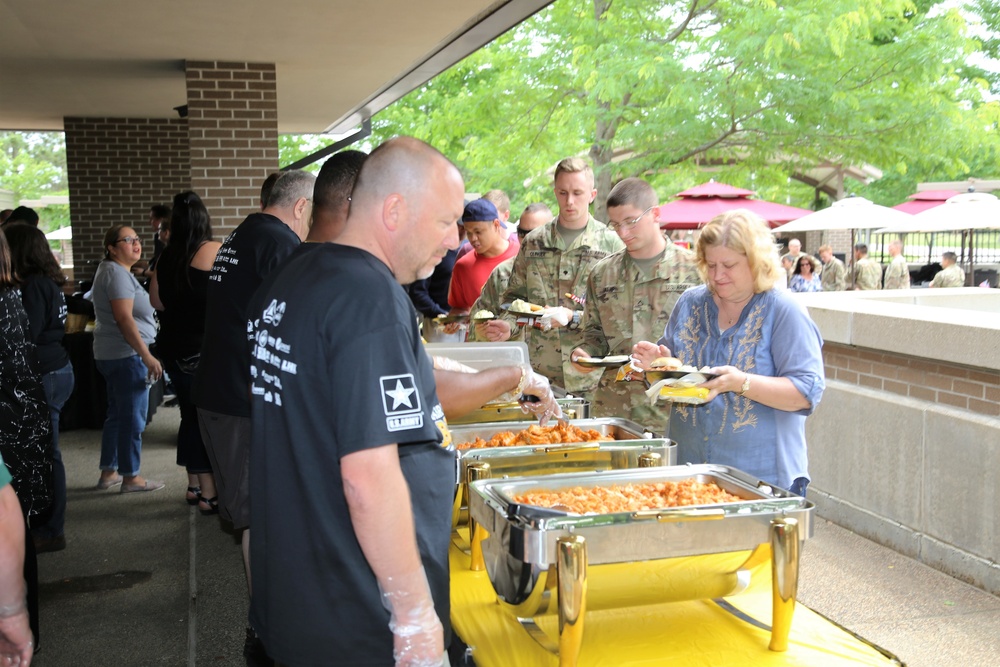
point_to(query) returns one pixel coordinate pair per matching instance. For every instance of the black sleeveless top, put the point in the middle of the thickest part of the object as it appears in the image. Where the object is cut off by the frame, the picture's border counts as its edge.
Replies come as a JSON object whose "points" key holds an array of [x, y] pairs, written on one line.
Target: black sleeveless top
{"points": [[182, 291]]}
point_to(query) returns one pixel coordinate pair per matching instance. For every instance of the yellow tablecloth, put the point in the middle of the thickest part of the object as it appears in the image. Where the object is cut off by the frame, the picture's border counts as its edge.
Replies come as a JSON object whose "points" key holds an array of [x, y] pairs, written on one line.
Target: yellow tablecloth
{"points": [[679, 633]]}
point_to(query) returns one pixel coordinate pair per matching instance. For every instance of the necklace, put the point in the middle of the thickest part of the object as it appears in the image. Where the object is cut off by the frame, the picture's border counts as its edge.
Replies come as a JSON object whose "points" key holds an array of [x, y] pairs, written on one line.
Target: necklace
{"points": [[731, 319]]}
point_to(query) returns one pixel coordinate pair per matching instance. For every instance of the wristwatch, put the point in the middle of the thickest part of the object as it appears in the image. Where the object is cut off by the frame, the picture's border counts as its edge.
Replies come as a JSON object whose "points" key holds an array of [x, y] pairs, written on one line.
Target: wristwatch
{"points": [[746, 385], [575, 322]]}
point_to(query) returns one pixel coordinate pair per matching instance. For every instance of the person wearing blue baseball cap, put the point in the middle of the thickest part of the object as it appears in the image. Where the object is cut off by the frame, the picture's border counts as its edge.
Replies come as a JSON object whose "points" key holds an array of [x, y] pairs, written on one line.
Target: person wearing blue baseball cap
{"points": [[485, 233]]}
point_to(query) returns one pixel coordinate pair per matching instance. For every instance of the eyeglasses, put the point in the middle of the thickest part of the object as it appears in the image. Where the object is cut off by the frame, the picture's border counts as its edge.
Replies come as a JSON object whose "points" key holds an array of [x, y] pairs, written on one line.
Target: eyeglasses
{"points": [[129, 239], [628, 224]]}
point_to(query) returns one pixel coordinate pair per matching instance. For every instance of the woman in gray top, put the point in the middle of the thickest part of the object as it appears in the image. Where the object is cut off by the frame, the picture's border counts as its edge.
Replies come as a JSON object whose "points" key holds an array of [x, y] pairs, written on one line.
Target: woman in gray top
{"points": [[125, 328]]}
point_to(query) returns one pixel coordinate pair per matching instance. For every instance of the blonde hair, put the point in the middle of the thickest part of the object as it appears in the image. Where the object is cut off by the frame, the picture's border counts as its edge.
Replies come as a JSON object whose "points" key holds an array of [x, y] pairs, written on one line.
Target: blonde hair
{"points": [[572, 165], [744, 232]]}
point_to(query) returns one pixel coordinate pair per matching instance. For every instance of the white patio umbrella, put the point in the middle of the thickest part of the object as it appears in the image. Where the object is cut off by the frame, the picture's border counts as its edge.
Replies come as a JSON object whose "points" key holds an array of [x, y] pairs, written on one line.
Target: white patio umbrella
{"points": [[966, 212], [851, 213], [61, 234], [971, 210]]}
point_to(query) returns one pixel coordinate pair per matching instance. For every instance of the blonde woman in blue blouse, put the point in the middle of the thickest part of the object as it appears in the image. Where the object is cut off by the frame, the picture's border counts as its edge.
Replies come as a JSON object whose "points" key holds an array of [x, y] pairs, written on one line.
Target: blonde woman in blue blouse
{"points": [[764, 348]]}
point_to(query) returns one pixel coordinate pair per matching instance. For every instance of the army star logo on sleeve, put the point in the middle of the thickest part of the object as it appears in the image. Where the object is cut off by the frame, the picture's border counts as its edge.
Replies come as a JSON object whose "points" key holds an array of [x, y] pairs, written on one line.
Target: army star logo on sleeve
{"points": [[401, 402]]}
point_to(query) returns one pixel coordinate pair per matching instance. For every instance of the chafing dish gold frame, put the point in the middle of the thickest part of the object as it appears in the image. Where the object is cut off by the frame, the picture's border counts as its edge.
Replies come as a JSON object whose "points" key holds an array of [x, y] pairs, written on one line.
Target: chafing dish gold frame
{"points": [[567, 577], [627, 446]]}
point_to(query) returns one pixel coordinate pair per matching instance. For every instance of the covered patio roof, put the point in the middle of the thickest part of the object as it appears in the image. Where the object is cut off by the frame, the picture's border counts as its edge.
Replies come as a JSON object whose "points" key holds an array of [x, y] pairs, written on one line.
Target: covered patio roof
{"points": [[337, 63]]}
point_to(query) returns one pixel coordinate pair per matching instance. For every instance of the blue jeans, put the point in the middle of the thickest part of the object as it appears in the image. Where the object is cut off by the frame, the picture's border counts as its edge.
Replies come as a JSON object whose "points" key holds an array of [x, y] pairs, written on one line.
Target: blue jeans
{"points": [[58, 386], [128, 401], [799, 486]]}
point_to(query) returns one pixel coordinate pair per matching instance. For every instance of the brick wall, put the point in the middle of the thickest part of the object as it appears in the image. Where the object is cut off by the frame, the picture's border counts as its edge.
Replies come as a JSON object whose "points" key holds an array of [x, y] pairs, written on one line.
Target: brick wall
{"points": [[964, 387], [117, 168], [838, 239], [233, 126]]}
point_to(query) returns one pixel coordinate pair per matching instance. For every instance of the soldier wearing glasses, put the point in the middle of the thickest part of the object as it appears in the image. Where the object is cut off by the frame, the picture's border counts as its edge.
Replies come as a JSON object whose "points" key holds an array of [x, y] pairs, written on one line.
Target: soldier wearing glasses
{"points": [[551, 269], [629, 298]]}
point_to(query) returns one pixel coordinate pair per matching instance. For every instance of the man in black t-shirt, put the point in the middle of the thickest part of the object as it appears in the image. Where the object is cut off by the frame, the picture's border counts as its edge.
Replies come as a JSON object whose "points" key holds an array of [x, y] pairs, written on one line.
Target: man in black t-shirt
{"points": [[352, 488], [221, 384]]}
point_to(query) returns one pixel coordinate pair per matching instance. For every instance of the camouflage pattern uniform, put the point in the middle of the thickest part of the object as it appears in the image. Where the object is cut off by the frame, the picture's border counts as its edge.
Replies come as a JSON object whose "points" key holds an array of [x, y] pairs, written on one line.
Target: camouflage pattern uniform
{"points": [[544, 271], [897, 274], [490, 299], [867, 274], [834, 276], [953, 276], [623, 307]]}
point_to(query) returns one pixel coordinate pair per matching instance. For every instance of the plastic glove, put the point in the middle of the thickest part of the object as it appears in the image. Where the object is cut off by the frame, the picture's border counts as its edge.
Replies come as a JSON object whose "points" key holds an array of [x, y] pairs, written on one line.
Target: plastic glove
{"points": [[554, 317], [537, 387], [418, 638]]}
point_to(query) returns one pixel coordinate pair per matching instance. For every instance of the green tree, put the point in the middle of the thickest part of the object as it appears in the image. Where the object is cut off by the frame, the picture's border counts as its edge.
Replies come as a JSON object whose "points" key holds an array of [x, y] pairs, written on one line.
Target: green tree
{"points": [[294, 147], [664, 89], [33, 164]]}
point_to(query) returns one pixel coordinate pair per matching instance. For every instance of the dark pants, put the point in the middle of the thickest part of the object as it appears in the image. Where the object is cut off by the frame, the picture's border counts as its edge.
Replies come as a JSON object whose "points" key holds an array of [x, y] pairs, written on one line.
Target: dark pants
{"points": [[58, 386], [190, 447]]}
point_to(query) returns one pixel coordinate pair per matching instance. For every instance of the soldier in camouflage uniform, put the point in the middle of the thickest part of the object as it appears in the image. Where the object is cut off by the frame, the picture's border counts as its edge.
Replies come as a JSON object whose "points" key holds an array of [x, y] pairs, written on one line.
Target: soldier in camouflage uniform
{"points": [[897, 274], [490, 299], [834, 275], [630, 296], [952, 275], [554, 261], [867, 272]]}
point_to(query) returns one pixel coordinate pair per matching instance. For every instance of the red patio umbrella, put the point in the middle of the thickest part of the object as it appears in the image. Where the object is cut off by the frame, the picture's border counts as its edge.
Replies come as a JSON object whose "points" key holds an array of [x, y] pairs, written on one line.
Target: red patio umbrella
{"points": [[921, 201], [701, 203]]}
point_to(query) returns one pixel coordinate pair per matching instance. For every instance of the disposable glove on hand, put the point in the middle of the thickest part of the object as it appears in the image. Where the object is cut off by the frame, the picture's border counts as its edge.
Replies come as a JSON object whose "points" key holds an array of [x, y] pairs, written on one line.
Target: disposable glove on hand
{"points": [[545, 407], [554, 317], [418, 638]]}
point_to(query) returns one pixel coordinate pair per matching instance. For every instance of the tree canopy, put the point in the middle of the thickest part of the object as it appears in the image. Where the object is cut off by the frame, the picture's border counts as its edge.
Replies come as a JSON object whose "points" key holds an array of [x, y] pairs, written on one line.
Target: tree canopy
{"points": [[755, 88], [33, 164]]}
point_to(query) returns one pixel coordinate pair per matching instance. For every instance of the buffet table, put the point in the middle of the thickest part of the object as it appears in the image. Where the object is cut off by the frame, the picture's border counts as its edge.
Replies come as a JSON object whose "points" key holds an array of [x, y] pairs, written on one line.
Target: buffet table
{"points": [[699, 632]]}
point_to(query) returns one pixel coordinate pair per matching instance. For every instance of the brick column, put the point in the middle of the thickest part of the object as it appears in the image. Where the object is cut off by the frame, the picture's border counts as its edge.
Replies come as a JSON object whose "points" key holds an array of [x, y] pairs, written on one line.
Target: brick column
{"points": [[117, 168], [233, 126]]}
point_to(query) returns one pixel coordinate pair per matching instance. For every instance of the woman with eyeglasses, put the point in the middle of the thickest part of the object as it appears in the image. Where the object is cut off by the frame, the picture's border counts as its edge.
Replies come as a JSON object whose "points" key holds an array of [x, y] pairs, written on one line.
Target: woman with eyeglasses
{"points": [[804, 277], [125, 328]]}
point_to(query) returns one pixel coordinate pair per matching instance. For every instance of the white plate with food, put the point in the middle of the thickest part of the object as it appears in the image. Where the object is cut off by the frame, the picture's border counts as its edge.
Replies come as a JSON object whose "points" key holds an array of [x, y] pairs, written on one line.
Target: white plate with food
{"points": [[523, 308], [483, 316], [671, 368], [611, 361]]}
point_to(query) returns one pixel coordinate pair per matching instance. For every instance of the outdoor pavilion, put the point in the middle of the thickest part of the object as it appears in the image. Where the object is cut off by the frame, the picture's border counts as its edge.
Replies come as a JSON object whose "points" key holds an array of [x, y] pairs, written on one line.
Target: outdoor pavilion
{"points": [[155, 99]]}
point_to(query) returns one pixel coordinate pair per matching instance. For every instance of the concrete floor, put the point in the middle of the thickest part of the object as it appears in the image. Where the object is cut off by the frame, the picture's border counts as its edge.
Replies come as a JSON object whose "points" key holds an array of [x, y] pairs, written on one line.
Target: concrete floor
{"points": [[147, 580]]}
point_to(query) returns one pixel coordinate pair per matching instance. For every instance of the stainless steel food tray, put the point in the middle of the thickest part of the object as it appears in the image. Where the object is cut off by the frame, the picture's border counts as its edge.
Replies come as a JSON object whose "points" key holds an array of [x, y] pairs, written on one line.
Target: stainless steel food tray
{"points": [[625, 537], [543, 561], [626, 442], [573, 408]]}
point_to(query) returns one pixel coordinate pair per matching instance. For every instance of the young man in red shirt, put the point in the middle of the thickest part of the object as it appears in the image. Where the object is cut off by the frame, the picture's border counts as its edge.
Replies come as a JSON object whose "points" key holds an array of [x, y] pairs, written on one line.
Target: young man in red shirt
{"points": [[485, 233]]}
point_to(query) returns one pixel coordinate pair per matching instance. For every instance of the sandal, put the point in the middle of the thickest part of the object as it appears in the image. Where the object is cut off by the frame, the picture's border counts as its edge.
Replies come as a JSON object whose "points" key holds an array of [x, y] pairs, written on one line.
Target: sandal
{"points": [[193, 495], [213, 505]]}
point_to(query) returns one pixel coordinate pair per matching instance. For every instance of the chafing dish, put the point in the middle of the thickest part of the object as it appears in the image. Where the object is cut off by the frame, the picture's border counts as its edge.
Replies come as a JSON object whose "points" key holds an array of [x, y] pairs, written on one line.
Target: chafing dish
{"points": [[544, 561], [627, 445], [573, 408]]}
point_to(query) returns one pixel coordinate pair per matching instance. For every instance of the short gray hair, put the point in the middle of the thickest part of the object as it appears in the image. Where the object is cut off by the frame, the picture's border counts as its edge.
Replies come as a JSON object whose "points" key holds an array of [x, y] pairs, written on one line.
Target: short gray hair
{"points": [[292, 186]]}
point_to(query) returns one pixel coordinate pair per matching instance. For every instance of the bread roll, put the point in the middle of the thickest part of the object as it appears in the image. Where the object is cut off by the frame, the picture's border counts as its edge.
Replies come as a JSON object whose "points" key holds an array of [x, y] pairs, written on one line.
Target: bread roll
{"points": [[666, 364]]}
